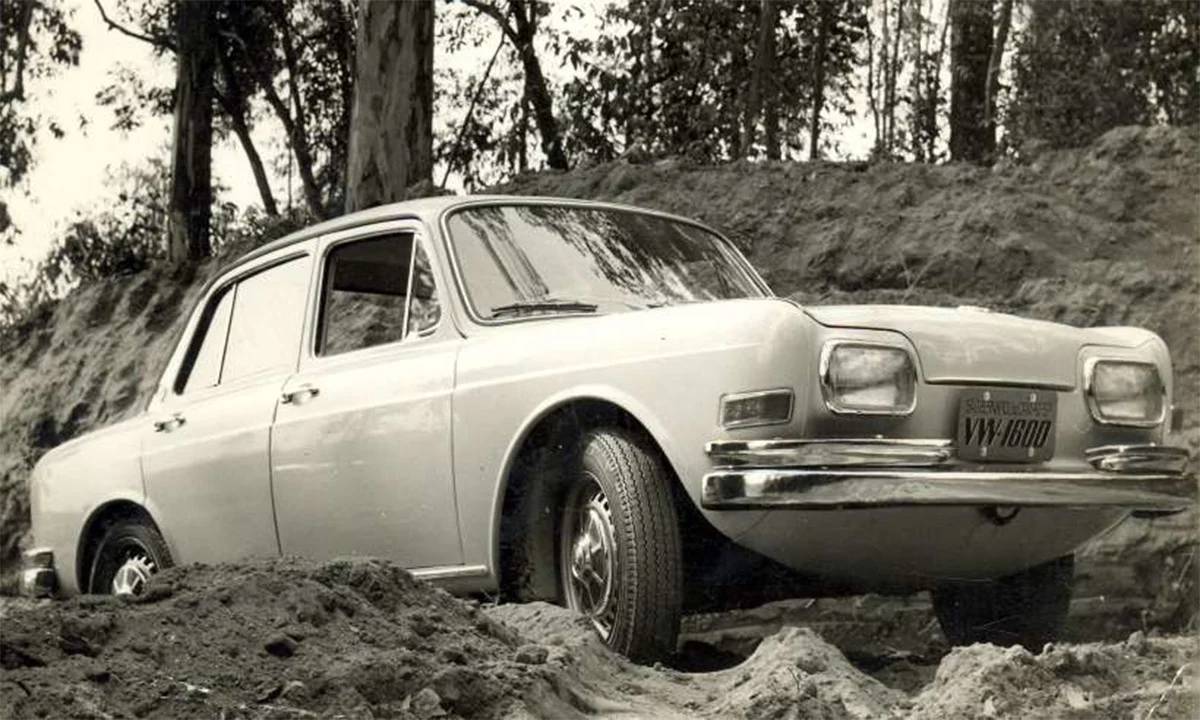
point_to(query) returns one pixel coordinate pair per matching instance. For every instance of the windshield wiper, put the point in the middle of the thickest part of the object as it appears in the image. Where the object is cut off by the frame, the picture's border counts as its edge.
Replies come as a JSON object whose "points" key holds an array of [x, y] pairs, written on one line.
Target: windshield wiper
{"points": [[542, 306]]}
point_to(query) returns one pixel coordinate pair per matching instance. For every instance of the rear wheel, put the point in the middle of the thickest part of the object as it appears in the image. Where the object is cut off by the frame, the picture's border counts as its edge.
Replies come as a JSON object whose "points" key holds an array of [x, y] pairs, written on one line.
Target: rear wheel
{"points": [[129, 552], [619, 548], [1028, 608]]}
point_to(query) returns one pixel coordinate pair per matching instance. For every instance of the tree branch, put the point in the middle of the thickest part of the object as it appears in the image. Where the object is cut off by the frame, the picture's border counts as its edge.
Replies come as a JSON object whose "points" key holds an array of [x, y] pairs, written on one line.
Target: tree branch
{"points": [[462, 130], [157, 41], [494, 13]]}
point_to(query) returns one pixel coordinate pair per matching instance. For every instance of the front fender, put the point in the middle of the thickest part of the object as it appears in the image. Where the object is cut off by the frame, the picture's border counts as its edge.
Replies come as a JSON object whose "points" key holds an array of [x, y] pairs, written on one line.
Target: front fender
{"points": [[667, 368]]}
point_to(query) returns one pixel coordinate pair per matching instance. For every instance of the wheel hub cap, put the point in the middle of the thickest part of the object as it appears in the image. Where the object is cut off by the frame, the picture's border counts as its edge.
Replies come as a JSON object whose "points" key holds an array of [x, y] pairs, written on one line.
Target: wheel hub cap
{"points": [[132, 576], [591, 561]]}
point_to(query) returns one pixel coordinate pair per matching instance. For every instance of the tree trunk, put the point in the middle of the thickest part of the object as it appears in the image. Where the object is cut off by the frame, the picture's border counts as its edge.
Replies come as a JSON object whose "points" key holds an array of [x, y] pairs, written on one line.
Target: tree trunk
{"points": [[935, 91], [298, 142], [543, 108], [993, 73], [238, 120], [391, 137], [233, 102], [764, 63], [536, 89], [189, 215], [814, 133], [872, 99], [894, 71], [970, 52]]}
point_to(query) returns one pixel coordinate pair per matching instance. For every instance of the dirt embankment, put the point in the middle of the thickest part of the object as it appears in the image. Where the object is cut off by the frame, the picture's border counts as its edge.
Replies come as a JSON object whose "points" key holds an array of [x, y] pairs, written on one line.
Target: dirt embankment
{"points": [[363, 639], [1103, 235]]}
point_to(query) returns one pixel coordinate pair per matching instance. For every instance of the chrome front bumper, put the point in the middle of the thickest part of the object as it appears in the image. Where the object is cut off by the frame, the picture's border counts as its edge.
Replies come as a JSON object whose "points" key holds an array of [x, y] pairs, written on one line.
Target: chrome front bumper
{"points": [[37, 573], [866, 473]]}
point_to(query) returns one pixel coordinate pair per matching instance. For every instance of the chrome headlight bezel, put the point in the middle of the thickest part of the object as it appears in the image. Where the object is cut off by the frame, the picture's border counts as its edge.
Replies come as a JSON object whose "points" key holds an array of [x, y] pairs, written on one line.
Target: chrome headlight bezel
{"points": [[1094, 403], [829, 393]]}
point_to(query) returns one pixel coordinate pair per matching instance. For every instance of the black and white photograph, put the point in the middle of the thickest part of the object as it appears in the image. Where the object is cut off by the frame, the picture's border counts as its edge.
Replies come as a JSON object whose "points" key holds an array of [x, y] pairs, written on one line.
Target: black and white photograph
{"points": [[628, 359]]}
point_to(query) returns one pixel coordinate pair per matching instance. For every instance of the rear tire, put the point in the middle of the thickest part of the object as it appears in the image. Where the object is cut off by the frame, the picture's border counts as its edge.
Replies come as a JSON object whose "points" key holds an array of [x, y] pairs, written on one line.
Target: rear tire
{"points": [[619, 547], [129, 552], [1028, 608]]}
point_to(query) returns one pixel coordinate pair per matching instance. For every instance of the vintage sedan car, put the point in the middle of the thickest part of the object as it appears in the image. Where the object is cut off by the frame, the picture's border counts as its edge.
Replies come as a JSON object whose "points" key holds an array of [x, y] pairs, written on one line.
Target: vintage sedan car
{"points": [[607, 407]]}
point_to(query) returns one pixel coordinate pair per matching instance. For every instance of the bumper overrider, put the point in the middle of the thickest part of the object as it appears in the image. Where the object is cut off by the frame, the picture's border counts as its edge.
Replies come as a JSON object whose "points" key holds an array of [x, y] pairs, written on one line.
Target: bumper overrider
{"points": [[877, 472], [37, 574]]}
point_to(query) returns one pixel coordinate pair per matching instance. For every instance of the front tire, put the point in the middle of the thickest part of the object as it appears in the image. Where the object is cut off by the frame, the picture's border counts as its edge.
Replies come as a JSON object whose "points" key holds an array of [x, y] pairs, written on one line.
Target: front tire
{"points": [[619, 548], [129, 552], [1028, 608]]}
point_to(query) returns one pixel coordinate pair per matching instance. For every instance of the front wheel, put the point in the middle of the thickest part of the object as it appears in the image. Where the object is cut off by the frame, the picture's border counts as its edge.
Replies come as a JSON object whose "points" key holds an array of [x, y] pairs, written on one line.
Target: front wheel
{"points": [[129, 552], [619, 546], [1028, 608]]}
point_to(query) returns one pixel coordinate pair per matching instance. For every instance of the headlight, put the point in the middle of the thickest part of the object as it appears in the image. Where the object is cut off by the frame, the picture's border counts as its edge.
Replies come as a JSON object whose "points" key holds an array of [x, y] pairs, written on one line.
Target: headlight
{"points": [[867, 379], [1124, 393], [764, 407]]}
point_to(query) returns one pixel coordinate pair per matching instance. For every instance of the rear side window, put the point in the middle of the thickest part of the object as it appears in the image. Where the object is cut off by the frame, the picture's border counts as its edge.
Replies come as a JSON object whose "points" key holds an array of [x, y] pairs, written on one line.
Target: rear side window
{"points": [[251, 326], [375, 292], [206, 366], [268, 315]]}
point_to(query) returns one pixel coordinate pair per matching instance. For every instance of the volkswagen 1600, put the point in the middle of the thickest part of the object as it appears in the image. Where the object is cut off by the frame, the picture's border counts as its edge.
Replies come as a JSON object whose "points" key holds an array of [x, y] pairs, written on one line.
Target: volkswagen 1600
{"points": [[607, 407]]}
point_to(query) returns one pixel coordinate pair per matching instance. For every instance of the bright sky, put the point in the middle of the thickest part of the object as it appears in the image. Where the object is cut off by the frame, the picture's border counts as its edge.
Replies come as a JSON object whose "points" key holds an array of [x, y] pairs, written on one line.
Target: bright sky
{"points": [[73, 175]]}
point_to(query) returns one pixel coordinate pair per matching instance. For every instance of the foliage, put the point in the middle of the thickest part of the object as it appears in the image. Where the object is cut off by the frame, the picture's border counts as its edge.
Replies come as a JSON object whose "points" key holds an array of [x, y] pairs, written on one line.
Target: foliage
{"points": [[663, 76], [36, 41], [119, 240], [1082, 67], [126, 238], [287, 58], [496, 141], [670, 76]]}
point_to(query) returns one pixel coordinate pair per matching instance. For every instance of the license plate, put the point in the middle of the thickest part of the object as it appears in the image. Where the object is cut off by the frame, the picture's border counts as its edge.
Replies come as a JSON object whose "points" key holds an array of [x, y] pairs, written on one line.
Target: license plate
{"points": [[1006, 425]]}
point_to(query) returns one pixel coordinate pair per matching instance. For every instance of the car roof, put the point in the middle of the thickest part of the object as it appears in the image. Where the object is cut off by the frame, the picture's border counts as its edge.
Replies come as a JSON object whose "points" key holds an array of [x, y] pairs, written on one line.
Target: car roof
{"points": [[428, 208]]}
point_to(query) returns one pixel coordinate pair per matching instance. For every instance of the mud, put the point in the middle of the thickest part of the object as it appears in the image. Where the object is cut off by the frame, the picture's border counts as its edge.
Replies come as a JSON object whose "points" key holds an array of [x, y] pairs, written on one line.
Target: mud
{"points": [[363, 639]]}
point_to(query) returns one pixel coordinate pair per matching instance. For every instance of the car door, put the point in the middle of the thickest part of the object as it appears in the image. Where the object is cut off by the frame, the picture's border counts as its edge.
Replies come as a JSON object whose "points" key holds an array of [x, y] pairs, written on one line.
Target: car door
{"points": [[361, 447], [205, 456]]}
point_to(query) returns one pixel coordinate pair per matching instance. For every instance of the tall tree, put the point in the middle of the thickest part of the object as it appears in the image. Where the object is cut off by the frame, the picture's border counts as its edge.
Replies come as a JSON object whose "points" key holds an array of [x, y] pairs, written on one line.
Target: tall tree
{"points": [[928, 51], [191, 157], [993, 71], [971, 138], [297, 56], [825, 11], [391, 131], [1082, 67], [764, 66], [519, 20]]}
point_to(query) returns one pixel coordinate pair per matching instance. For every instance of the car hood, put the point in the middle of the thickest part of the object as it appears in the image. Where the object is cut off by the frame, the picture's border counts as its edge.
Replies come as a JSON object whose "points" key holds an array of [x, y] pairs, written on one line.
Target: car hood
{"points": [[973, 345]]}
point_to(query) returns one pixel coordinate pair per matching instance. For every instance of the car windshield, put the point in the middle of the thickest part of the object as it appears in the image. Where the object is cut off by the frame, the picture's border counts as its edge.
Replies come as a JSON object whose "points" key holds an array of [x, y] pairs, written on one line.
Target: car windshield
{"points": [[542, 259]]}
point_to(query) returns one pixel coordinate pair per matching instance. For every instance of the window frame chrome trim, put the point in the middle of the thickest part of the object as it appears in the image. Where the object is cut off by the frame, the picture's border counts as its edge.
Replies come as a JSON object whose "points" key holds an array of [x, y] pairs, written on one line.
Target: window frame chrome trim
{"points": [[791, 393], [827, 394], [1089, 370]]}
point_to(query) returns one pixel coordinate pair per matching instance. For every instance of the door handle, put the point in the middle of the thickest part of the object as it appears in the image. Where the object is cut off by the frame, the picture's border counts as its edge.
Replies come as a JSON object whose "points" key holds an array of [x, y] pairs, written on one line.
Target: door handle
{"points": [[170, 424], [300, 395]]}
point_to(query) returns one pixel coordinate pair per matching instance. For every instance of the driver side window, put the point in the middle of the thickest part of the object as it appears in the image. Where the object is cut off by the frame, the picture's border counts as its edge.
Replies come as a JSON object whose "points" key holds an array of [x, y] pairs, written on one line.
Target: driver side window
{"points": [[375, 291]]}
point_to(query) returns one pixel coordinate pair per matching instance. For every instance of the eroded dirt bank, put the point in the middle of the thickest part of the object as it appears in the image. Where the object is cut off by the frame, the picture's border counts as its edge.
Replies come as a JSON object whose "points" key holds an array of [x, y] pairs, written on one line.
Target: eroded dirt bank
{"points": [[363, 639], [1102, 235]]}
